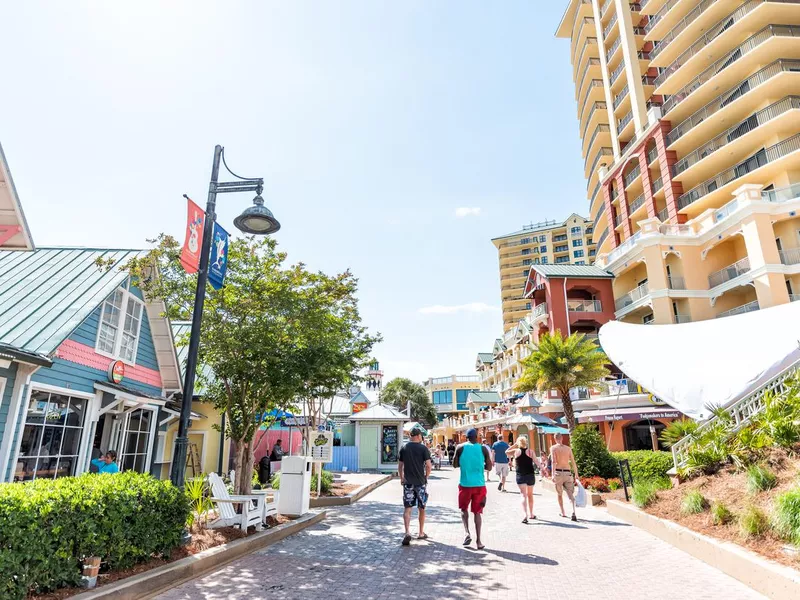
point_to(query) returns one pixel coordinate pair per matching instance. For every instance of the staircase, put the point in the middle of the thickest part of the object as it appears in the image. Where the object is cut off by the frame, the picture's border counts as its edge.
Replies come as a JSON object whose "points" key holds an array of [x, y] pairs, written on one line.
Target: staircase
{"points": [[741, 412]]}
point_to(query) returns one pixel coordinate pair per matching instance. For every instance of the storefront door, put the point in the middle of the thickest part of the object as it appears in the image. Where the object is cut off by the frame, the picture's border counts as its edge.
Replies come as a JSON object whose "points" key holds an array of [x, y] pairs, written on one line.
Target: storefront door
{"points": [[368, 447]]}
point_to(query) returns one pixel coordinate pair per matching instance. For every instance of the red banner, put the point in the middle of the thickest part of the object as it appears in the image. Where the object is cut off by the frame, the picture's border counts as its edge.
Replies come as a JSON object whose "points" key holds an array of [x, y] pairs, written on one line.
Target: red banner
{"points": [[190, 255]]}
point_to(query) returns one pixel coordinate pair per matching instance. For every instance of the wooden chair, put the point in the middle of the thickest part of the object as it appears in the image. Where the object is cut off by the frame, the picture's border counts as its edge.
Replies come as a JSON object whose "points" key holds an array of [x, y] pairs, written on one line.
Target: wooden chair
{"points": [[252, 507]]}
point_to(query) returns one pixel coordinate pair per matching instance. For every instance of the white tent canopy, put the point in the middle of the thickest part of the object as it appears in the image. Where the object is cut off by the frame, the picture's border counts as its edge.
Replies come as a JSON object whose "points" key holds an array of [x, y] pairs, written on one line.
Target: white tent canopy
{"points": [[716, 362]]}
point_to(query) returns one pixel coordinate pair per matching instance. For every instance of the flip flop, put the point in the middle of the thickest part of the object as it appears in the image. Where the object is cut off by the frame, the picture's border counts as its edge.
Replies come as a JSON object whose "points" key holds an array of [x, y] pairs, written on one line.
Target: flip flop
{"points": [[574, 518], [525, 520], [424, 536], [406, 540], [481, 547], [467, 541]]}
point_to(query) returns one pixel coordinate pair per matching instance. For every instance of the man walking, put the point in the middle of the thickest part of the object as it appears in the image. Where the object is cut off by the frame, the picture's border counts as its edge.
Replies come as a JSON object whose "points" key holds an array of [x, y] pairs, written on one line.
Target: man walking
{"points": [[489, 450], [414, 468], [500, 459], [565, 473], [472, 459]]}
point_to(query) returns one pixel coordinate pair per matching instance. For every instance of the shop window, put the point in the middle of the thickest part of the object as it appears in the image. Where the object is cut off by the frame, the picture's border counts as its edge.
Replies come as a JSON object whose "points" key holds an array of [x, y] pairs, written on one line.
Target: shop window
{"points": [[120, 325], [51, 436], [136, 440], [443, 397]]}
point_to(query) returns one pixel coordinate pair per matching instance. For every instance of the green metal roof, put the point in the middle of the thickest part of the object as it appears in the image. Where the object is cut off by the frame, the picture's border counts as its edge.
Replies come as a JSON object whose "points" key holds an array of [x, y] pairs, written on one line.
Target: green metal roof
{"points": [[577, 271], [47, 293], [483, 398], [486, 357]]}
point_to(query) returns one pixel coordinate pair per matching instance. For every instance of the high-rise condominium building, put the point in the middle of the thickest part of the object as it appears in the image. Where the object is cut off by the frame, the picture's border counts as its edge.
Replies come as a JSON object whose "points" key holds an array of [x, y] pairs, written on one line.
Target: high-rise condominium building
{"points": [[689, 115], [549, 242]]}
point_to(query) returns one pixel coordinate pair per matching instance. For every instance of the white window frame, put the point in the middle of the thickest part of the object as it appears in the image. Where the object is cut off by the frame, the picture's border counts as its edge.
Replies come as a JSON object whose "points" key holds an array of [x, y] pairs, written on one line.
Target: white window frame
{"points": [[127, 296]]}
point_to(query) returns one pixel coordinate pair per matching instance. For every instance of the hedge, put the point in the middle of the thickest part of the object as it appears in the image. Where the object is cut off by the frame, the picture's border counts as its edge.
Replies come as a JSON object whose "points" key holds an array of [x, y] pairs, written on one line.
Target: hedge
{"points": [[591, 455], [48, 526], [647, 464]]}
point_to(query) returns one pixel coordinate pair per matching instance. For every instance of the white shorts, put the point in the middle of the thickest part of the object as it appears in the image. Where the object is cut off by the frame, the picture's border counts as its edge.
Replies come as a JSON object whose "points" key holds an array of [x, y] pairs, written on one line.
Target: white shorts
{"points": [[501, 469]]}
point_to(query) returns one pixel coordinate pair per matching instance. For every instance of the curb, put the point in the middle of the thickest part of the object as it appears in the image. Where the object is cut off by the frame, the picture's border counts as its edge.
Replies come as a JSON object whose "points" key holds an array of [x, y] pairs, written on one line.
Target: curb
{"points": [[157, 580], [327, 501], [764, 576]]}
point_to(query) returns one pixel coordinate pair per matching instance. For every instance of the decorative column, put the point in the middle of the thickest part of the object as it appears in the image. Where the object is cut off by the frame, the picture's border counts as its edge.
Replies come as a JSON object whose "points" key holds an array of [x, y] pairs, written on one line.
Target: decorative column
{"points": [[666, 159], [623, 203]]}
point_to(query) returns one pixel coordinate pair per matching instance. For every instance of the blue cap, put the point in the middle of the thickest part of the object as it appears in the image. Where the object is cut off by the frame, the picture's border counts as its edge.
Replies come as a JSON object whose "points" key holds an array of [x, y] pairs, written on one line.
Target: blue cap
{"points": [[472, 434]]}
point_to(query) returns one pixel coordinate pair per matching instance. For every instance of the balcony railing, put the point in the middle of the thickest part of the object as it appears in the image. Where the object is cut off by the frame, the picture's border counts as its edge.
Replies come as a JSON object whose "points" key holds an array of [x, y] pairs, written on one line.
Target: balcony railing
{"points": [[577, 29], [617, 72], [732, 271], [785, 194], [623, 247], [794, 297], [682, 318], [620, 96], [632, 176], [676, 282], [603, 8], [733, 133], [613, 49], [560, 238], [591, 42], [604, 152], [595, 106], [668, 229], [601, 128], [603, 237], [618, 220], [561, 249], [634, 295], [636, 204], [540, 310], [657, 184], [654, 19], [723, 100], [652, 154], [790, 256], [769, 32], [624, 121], [756, 161], [740, 310], [592, 62], [595, 84], [610, 26], [680, 26], [663, 215], [592, 306]]}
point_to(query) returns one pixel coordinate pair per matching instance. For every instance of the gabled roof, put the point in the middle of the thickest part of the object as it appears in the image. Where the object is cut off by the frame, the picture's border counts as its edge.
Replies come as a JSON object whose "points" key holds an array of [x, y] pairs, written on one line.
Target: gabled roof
{"points": [[46, 294], [483, 398], [577, 271], [380, 412], [359, 397], [499, 346], [485, 357], [14, 231]]}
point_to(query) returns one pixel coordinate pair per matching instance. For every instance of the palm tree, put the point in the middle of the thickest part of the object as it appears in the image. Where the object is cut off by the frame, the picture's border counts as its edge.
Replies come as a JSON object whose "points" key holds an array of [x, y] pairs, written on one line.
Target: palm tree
{"points": [[560, 363]]}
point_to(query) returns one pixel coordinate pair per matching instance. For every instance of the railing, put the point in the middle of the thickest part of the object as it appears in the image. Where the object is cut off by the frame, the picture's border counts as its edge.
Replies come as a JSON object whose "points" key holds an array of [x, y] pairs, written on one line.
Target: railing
{"points": [[618, 220], [663, 215], [584, 306], [680, 26], [634, 295], [733, 133], [605, 151], [561, 260], [590, 41], [784, 194], [790, 256], [560, 238], [620, 96], [603, 237], [595, 83], [617, 72], [740, 310], [682, 318], [657, 184], [794, 297], [613, 49], [652, 154], [676, 282], [577, 28], [726, 210], [636, 204], [601, 128], [668, 229], [732, 271], [623, 247], [745, 47], [605, 6], [590, 63], [723, 100], [539, 310], [561, 249], [624, 121], [741, 412], [610, 25], [654, 19], [595, 106], [756, 161], [632, 175]]}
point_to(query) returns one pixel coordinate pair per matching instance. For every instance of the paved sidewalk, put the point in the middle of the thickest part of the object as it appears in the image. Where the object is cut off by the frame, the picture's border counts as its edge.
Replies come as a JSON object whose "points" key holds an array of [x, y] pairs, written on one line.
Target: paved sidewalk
{"points": [[356, 553]]}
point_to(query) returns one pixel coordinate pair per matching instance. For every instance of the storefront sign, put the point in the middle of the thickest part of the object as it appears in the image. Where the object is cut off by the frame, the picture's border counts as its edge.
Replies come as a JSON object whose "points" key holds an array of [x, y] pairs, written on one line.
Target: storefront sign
{"points": [[389, 444], [322, 447], [294, 422], [116, 371], [190, 254], [218, 264], [359, 406], [631, 416]]}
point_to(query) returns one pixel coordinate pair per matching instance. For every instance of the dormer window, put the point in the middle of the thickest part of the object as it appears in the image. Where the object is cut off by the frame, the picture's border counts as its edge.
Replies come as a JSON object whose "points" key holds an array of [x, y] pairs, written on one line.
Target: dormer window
{"points": [[120, 325]]}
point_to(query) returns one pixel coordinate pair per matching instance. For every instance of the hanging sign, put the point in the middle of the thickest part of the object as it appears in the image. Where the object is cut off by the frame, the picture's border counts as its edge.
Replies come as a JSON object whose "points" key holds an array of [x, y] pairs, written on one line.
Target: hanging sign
{"points": [[322, 447], [190, 254], [116, 371], [359, 406], [218, 263]]}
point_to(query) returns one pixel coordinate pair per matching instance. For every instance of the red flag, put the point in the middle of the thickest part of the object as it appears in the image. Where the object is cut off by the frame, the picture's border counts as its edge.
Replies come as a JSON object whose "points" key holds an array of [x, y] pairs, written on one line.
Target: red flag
{"points": [[190, 255]]}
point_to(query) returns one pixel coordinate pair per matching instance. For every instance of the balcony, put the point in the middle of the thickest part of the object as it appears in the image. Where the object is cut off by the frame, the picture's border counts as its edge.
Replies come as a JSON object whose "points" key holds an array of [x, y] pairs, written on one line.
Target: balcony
{"points": [[732, 271], [663, 215], [603, 237], [652, 154], [733, 133], [632, 297], [676, 282], [784, 194], [668, 229], [679, 27], [617, 72], [596, 84], [624, 121], [632, 176], [636, 204], [599, 130], [601, 106], [584, 306], [740, 310], [612, 50], [682, 318], [603, 8], [539, 311], [657, 184], [790, 256], [564, 248], [589, 45], [618, 220], [654, 19], [610, 26], [620, 97], [623, 247], [603, 153]]}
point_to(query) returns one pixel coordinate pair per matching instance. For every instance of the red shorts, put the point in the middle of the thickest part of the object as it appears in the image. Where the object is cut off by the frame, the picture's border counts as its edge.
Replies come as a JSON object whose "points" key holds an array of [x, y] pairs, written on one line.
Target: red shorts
{"points": [[472, 495]]}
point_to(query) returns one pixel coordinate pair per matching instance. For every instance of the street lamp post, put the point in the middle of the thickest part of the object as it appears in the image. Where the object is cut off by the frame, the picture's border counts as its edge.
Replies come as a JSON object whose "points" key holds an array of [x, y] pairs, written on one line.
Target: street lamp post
{"points": [[256, 220]]}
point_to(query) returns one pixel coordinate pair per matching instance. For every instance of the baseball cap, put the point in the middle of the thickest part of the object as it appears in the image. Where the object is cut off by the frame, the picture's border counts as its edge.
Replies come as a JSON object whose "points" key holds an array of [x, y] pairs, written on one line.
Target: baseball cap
{"points": [[417, 430], [472, 434]]}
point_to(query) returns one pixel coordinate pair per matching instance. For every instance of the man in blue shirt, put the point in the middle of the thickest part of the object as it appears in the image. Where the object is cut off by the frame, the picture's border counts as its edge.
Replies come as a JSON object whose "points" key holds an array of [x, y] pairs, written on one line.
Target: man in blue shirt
{"points": [[472, 458], [500, 458]]}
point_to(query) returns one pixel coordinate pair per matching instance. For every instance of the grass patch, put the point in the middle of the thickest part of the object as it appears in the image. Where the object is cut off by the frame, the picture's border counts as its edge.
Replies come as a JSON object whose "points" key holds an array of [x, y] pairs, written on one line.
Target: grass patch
{"points": [[786, 516], [693, 503], [760, 479], [720, 514], [753, 522], [645, 492]]}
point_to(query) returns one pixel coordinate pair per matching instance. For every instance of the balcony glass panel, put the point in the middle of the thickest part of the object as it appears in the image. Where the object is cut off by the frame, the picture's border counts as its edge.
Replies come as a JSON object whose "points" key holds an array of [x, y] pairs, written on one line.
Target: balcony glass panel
{"points": [[634, 295], [732, 271], [584, 306]]}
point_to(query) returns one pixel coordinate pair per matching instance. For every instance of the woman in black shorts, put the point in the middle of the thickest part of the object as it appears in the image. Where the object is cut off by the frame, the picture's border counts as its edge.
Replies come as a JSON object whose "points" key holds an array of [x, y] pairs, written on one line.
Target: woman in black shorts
{"points": [[524, 459]]}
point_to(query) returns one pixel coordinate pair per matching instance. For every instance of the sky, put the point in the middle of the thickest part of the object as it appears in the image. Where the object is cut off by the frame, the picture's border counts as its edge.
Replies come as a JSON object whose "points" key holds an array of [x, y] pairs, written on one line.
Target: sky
{"points": [[396, 139]]}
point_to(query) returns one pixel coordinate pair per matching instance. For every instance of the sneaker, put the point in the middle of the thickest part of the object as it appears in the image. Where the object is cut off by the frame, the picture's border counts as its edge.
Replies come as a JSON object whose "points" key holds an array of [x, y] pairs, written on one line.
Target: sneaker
{"points": [[406, 540], [499, 487], [574, 518]]}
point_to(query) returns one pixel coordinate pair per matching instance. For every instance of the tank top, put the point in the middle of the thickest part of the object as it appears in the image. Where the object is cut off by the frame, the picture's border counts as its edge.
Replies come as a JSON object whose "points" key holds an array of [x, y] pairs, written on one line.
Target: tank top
{"points": [[524, 463], [471, 464]]}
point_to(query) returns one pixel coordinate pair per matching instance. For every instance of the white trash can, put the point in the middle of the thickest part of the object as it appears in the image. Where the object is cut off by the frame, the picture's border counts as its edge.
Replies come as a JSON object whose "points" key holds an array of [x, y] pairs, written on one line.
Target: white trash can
{"points": [[295, 497]]}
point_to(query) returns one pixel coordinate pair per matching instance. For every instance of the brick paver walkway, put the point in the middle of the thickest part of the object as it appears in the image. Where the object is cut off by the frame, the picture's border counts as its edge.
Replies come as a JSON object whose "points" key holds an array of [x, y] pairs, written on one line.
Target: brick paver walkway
{"points": [[356, 554]]}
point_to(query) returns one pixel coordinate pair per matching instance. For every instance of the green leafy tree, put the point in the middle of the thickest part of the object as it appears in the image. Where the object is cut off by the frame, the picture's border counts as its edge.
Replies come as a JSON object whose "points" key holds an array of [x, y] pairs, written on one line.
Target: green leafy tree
{"points": [[398, 392], [272, 334], [560, 364]]}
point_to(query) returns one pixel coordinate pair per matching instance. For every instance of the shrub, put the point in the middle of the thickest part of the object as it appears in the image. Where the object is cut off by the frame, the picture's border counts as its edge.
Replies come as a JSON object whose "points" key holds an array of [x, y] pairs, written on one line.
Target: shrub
{"points": [[645, 492], [677, 430], [591, 454], [753, 522], [760, 479], [197, 494], [597, 484], [786, 516], [47, 526], [693, 503], [647, 464], [720, 514], [614, 484], [275, 481]]}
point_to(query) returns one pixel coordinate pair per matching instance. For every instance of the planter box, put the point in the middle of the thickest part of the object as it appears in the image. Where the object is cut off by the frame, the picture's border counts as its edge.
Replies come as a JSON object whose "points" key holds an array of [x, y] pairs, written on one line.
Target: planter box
{"points": [[764, 576], [325, 501]]}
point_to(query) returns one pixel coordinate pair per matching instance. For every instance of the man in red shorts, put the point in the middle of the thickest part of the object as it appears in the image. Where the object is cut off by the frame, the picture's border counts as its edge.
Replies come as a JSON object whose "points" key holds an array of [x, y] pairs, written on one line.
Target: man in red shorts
{"points": [[472, 459]]}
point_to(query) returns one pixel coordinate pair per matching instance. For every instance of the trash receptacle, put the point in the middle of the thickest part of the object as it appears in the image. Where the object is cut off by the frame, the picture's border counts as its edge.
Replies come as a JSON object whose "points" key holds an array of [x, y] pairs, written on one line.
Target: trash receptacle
{"points": [[295, 496]]}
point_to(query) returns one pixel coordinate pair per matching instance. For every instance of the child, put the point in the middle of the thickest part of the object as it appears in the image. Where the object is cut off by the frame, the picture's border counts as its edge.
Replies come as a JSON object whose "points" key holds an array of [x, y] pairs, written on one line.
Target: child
{"points": [[107, 463]]}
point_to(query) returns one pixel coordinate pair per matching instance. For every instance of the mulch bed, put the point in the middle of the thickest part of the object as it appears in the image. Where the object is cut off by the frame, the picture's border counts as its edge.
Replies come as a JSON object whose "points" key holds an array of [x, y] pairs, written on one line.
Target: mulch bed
{"points": [[338, 490], [730, 488], [202, 539]]}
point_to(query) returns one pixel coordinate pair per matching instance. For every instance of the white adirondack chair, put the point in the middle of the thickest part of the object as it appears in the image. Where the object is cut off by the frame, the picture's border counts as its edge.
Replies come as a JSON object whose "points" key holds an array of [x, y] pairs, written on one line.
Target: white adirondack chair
{"points": [[252, 512]]}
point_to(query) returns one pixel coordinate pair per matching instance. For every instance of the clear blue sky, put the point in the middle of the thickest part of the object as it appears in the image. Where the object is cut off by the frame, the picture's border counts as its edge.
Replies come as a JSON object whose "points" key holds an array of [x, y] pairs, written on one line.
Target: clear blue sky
{"points": [[371, 122]]}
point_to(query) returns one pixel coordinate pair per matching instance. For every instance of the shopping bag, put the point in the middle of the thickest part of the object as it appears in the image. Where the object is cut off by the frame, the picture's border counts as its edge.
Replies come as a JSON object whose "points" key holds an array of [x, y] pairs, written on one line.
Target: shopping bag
{"points": [[580, 496]]}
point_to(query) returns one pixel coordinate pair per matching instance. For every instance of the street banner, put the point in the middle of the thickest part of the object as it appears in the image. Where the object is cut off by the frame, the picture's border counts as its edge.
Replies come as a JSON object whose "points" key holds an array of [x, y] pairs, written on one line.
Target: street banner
{"points": [[190, 254], [218, 264]]}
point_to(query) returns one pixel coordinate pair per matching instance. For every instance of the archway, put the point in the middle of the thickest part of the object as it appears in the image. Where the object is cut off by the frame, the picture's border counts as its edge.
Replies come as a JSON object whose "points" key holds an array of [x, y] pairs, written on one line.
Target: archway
{"points": [[639, 437]]}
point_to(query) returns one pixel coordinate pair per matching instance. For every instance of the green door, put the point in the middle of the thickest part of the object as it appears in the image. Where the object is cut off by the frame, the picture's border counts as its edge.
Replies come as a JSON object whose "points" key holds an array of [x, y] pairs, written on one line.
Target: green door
{"points": [[368, 447]]}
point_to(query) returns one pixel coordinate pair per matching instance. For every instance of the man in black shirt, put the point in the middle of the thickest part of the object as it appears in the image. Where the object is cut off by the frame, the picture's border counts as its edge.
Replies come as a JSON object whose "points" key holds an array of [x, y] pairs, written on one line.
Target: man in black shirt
{"points": [[414, 468]]}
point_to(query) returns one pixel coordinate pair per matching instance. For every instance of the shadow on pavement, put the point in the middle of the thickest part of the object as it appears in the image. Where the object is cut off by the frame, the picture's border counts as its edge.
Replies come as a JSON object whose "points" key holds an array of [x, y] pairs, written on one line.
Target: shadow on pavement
{"points": [[530, 559]]}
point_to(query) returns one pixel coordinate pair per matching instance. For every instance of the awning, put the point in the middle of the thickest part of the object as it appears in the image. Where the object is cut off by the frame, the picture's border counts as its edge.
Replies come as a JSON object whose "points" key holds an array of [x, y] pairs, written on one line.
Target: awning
{"points": [[553, 429], [627, 414], [127, 392]]}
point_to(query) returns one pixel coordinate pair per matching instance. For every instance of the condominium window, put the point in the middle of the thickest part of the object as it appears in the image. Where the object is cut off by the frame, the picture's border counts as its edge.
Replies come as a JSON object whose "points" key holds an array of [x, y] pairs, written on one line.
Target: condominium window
{"points": [[527, 261], [525, 272], [526, 251], [589, 242], [542, 249], [443, 397], [576, 230], [592, 252], [562, 259], [525, 240], [580, 262], [589, 230], [542, 238], [120, 324], [544, 260], [576, 243], [528, 306], [578, 253]]}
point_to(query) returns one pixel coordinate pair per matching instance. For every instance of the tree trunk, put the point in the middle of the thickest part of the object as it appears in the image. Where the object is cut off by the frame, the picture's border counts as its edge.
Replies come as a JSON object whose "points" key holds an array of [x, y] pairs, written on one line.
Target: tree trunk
{"points": [[244, 468], [569, 412]]}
